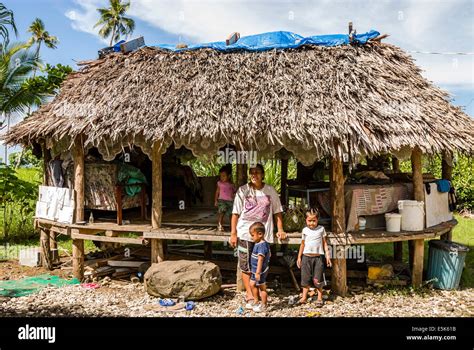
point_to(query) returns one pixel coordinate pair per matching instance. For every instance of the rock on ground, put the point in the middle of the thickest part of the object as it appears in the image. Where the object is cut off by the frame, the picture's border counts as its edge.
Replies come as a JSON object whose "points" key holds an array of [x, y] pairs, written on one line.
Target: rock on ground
{"points": [[194, 280]]}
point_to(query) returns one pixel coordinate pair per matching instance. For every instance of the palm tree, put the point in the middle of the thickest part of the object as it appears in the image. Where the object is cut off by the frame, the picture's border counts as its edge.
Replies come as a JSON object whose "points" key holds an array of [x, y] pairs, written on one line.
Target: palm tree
{"points": [[16, 64], [6, 20], [40, 35], [113, 21]]}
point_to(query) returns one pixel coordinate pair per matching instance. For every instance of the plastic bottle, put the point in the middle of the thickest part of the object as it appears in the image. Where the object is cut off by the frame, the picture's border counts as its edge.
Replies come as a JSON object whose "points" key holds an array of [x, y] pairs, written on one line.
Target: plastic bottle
{"points": [[91, 218]]}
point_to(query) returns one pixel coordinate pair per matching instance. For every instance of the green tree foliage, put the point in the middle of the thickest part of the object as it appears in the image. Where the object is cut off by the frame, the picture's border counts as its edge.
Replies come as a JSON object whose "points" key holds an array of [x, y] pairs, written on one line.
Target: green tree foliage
{"points": [[49, 83], [7, 21], [17, 63], [27, 159], [17, 200], [462, 178]]}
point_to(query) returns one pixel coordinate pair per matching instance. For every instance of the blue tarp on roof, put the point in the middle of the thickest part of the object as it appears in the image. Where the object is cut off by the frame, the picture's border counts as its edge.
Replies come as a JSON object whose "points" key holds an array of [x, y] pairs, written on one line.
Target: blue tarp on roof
{"points": [[278, 40]]}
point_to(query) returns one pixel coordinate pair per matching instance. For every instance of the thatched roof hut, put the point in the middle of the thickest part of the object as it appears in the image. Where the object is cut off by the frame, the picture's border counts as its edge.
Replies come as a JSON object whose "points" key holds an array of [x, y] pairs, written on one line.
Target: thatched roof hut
{"points": [[311, 100], [371, 98]]}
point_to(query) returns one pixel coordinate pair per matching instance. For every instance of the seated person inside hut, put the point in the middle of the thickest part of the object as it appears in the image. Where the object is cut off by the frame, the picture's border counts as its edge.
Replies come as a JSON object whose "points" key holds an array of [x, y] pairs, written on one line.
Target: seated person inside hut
{"points": [[105, 181]]}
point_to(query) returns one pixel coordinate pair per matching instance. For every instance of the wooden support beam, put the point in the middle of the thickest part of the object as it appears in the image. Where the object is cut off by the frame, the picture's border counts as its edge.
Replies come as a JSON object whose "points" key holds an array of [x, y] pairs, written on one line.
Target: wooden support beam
{"points": [[339, 269], [78, 258], [417, 264], [447, 173], [53, 246], [398, 251], [417, 246], [157, 251], [417, 170], [78, 158], [208, 250], [395, 165], [241, 174], [283, 181], [107, 239], [45, 250], [46, 159], [447, 165], [118, 204]]}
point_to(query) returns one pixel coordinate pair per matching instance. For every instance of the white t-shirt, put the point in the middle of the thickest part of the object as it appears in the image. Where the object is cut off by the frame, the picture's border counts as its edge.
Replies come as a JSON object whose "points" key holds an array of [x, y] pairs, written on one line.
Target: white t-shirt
{"points": [[313, 240], [256, 206]]}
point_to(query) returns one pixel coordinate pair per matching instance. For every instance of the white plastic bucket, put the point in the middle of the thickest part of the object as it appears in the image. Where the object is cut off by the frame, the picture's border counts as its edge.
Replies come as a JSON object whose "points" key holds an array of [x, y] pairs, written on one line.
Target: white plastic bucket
{"points": [[413, 215], [362, 223], [393, 222]]}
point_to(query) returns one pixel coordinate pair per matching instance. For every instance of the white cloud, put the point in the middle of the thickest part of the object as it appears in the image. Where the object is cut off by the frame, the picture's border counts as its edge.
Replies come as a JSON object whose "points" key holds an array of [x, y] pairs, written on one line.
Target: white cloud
{"points": [[424, 25], [85, 17]]}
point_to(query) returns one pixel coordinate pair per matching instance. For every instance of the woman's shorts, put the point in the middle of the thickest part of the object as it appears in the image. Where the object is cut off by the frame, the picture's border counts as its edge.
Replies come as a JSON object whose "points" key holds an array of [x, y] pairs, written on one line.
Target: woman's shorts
{"points": [[245, 249]]}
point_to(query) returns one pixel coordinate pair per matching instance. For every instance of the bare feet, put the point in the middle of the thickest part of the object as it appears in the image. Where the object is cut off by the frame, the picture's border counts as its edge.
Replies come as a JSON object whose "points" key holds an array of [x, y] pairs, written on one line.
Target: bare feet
{"points": [[303, 301]]}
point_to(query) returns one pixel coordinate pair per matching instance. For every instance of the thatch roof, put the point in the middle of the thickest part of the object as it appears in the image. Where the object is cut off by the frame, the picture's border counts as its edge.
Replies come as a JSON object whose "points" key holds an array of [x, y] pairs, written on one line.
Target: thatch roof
{"points": [[372, 98]]}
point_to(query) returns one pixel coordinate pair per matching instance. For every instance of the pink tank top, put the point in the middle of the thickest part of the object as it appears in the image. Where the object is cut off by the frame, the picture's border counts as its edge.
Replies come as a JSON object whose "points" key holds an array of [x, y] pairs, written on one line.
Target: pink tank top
{"points": [[226, 190]]}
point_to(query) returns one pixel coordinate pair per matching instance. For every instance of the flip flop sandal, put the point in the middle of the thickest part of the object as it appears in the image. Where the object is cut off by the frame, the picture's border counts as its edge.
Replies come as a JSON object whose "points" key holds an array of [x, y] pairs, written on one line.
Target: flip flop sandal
{"points": [[319, 303]]}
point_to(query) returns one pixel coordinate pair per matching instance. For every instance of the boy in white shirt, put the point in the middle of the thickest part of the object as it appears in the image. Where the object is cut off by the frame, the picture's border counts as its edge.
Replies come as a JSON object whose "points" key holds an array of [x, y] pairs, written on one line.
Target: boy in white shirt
{"points": [[310, 257]]}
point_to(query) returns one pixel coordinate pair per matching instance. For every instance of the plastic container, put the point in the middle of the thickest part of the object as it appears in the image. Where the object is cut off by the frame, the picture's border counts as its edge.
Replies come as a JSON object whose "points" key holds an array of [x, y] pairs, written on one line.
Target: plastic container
{"points": [[445, 263], [413, 215], [393, 222], [362, 223]]}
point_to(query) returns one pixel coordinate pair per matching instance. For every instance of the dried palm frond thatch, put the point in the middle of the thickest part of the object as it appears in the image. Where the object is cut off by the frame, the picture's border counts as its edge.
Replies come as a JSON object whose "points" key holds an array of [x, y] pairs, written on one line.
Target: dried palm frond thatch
{"points": [[371, 98]]}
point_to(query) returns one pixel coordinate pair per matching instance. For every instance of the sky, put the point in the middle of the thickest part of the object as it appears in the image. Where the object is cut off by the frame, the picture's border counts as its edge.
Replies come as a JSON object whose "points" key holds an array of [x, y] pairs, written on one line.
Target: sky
{"points": [[443, 26]]}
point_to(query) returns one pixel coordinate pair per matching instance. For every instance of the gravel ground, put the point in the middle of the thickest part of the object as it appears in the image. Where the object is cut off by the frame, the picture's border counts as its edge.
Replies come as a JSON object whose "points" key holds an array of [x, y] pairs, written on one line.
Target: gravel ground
{"points": [[115, 298]]}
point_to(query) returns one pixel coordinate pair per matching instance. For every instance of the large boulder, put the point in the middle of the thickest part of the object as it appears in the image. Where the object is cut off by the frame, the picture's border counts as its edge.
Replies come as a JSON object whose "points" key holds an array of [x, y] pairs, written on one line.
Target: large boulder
{"points": [[192, 279]]}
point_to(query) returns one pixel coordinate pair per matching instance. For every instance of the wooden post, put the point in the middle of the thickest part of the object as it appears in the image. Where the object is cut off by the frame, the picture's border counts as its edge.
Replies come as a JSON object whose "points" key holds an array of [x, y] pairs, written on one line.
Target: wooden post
{"points": [[78, 258], [398, 251], [417, 169], [118, 204], [45, 249], [53, 244], [395, 165], [46, 159], [207, 250], [78, 244], [417, 269], [157, 251], [339, 269], [447, 173], [284, 178], [447, 165], [241, 174], [78, 158], [143, 202], [417, 246]]}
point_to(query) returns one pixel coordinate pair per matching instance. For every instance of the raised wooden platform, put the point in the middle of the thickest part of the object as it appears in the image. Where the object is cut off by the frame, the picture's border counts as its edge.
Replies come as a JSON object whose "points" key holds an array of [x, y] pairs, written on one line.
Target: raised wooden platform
{"points": [[203, 232]]}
